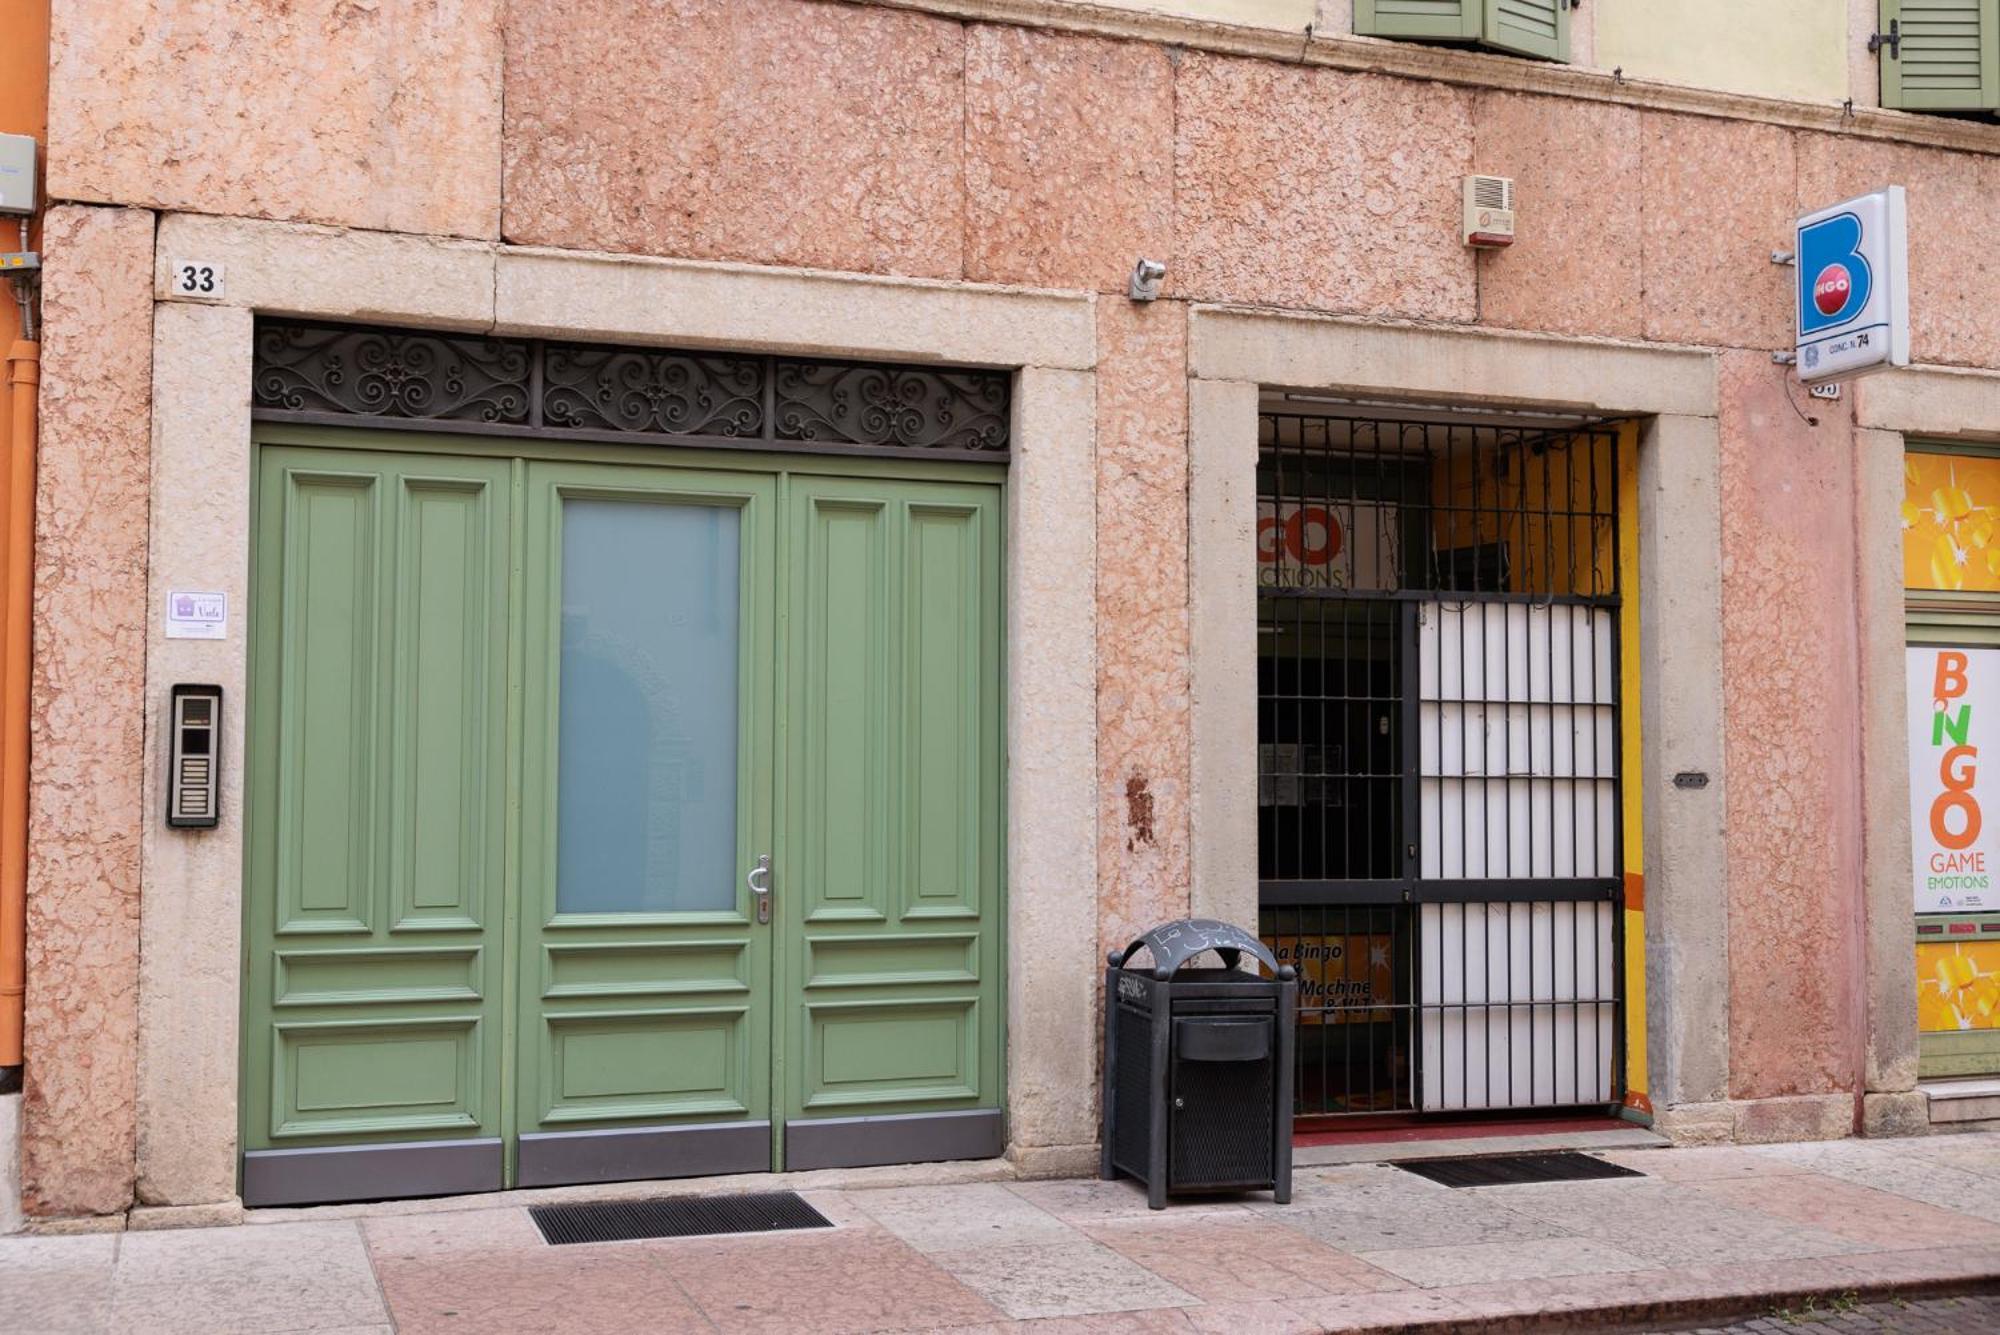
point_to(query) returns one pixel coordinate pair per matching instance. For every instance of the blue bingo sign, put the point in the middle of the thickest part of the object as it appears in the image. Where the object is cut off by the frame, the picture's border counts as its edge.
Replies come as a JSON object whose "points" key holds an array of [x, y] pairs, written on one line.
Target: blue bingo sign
{"points": [[1853, 288]]}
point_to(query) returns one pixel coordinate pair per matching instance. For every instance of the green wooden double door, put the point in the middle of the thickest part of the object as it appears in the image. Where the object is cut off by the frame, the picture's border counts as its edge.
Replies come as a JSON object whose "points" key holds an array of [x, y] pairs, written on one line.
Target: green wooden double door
{"points": [[614, 820]]}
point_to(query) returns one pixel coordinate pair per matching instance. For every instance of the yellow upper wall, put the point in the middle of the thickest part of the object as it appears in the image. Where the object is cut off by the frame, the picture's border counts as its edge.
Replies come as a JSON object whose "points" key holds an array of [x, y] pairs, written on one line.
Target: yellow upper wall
{"points": [[1780, 48]]}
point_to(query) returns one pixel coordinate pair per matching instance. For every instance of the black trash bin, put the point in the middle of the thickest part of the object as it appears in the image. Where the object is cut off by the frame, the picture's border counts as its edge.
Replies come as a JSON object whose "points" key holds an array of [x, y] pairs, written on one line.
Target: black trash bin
{"points": [[1198, 1065]]}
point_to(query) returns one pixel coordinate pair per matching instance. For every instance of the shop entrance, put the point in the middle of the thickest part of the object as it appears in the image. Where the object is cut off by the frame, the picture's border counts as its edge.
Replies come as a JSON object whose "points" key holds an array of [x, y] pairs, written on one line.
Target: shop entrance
{"points": [[1441, 832], [617, 818]]}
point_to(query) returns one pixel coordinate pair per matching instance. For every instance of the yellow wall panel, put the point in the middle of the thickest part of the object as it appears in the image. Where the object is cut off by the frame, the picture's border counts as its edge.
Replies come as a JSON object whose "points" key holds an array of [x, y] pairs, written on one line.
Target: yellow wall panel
{"points": [[1779, 48]]}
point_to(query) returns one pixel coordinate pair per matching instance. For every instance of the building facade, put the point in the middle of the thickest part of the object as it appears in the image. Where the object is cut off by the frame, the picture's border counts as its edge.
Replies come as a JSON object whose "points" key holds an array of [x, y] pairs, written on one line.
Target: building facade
{"points": [[627, 590]]}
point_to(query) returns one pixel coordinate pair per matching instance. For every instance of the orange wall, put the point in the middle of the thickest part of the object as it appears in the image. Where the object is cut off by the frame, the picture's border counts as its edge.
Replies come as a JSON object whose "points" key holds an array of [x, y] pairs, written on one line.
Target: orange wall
{"points": [[24, 109]]}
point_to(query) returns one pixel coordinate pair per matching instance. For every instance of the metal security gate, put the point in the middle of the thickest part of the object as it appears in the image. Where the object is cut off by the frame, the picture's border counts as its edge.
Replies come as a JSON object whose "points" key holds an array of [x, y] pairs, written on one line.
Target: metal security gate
{"points": [[1439, 812]]}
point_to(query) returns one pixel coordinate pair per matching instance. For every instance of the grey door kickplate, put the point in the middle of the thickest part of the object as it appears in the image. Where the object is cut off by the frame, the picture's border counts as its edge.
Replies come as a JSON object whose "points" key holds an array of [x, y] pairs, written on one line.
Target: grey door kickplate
{"points": [[676, 1217], [1506, 1170]]}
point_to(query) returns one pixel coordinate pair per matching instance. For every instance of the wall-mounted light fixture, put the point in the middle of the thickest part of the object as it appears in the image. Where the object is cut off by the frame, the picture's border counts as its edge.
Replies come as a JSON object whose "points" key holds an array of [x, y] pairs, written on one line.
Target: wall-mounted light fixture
{"points": [[1146, 276]]}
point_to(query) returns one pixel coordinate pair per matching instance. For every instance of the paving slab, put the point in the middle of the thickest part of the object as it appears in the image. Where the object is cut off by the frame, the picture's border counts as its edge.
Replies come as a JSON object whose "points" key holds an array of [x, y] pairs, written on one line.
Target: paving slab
{"points": [[61, 1284], [1719, 1235], [945, 1219], [1061, 1279], [608, 1290], [1669, 1224], [817, 1281], [245, 1281], [1492, 1262], [1236, 1259]]}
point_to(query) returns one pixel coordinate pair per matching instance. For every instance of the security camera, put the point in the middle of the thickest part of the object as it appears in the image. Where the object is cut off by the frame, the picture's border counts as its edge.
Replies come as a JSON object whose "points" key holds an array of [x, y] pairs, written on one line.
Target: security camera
{"points": [[1146, 276]]}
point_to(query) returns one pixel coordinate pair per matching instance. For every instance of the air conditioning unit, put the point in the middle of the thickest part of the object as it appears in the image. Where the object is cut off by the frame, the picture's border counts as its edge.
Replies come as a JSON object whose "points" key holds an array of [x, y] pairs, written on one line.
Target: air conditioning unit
{"points": [[1489, 211]]}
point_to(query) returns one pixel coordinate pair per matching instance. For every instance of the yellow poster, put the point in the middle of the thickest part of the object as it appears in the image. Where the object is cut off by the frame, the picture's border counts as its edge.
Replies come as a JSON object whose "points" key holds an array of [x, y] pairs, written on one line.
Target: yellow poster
{"points": [[1341, 978], [1958, 985], [1951, 522]]}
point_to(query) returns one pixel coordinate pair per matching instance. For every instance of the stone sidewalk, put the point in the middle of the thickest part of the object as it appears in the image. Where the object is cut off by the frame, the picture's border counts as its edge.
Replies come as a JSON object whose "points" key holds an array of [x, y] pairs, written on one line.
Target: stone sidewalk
{"points": [[1707, 1234]]}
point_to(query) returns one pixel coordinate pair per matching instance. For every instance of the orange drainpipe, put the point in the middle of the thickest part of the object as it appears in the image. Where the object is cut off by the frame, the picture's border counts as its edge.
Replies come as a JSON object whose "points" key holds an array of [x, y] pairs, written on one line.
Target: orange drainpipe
{"points": [[24, 102], [17, 513]]}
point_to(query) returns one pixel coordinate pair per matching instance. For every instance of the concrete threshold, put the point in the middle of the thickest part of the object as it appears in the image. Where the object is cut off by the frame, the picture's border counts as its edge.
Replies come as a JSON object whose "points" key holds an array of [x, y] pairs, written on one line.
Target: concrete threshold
{"points": [[1962, 1100], [957, 1173]]}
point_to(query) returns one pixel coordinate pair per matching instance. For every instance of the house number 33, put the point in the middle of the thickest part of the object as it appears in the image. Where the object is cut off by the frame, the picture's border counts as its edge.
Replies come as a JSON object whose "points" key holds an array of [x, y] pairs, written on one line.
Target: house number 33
{"points": [[197, 278]]}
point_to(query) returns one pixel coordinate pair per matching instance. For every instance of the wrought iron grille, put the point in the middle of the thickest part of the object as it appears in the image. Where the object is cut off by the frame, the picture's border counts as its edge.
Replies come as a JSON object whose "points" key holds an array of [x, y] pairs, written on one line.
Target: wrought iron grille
{"points": [[1439, 814], [325, 373]]}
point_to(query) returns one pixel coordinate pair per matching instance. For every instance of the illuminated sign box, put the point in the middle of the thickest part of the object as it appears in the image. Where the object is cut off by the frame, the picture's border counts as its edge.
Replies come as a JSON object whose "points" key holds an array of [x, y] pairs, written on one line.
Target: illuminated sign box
{"points": [[1853, 291]]}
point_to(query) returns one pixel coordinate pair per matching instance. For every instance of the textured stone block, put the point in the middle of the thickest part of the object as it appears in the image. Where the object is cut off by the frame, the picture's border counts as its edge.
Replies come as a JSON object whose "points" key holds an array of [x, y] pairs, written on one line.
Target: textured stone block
{"points": [[1954, 235], [1778, 1121], [384, 114], [1718, 200], [1574, 264], [1068, 158], [1791, 704], [1905, 1113], [1319, 188], [1142, 618], [763, 130], [88, 712]]}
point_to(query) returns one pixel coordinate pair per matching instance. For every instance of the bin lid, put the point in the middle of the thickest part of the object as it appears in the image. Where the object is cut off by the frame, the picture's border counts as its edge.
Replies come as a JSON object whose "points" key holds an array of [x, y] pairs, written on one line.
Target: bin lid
{"points": [[1173, 944]]}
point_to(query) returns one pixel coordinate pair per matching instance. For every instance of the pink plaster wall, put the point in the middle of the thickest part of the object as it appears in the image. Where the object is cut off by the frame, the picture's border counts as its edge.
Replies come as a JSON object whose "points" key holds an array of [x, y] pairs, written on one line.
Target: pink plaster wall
{"points": [[383, 114], [760, 130], [1068, 180], [1954, 235], [1142, 641], [1717, 197], [85, 815], [1792, 719], [1573, 267], [1321, 189]]}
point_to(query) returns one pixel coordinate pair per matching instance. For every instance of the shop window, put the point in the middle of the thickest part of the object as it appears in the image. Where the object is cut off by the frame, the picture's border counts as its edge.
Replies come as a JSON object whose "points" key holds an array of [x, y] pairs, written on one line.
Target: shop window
{"points": [[1951, 577], [1940, 55], [1524, 27]]}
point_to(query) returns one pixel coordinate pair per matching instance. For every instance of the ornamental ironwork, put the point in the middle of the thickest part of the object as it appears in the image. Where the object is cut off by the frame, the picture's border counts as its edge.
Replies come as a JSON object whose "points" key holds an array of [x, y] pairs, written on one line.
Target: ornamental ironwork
{"points": [[670, 393], [384, 373], [460, 382], [892, 404]]}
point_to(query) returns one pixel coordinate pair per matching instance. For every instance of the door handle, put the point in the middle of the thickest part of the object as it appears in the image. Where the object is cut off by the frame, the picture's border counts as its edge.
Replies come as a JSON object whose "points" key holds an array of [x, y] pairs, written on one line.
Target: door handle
{"points": [[761, 893]]}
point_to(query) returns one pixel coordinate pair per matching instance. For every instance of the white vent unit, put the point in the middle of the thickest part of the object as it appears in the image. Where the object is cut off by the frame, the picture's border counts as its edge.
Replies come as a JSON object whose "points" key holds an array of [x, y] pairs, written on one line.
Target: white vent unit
{"points": [[17, 174], [1489, 211]]}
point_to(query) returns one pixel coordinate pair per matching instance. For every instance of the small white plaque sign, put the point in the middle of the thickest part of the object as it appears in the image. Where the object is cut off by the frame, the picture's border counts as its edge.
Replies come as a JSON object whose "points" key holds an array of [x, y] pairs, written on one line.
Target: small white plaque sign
{"points": [[194, 615], [196, 278]]}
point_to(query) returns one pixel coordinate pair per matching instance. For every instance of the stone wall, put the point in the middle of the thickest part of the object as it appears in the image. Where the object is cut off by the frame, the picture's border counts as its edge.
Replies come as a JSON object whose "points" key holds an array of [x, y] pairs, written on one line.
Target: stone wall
{"points": [[883, 140], [84, 814]]}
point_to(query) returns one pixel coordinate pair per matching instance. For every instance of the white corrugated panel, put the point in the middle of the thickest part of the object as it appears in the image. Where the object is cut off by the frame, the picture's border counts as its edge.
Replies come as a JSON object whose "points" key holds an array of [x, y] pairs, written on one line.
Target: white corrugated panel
{"points": [[1517, 743], [1516, 1005], [1518, 768]]}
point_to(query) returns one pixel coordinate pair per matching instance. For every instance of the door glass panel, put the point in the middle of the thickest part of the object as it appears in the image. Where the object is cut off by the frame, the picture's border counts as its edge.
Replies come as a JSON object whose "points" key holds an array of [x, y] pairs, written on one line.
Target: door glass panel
{"points": [[646, 779]]}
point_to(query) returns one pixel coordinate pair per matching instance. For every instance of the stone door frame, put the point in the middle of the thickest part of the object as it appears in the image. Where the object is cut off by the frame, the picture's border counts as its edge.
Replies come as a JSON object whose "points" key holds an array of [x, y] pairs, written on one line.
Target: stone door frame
{"points": [[192, 890]]}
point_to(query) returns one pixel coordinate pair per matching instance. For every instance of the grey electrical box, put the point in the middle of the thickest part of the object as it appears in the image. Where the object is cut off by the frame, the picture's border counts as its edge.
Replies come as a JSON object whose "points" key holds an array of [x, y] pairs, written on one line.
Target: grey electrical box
{"points": [[194, 758], [17, 173]]}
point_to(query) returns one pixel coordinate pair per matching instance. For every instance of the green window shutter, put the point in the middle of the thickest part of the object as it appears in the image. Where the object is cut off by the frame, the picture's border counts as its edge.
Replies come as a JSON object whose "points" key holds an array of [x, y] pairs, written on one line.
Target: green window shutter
{"points": [[1530, 27], [1947, 57], [1446, 20]]}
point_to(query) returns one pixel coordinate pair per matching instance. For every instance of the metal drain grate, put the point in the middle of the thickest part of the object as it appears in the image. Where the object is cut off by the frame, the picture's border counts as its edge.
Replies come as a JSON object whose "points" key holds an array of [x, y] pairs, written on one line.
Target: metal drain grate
{"points": [[676, 1217], [1508, 1170]]}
